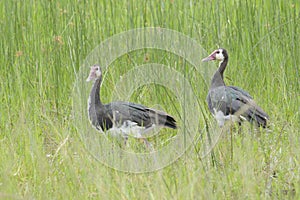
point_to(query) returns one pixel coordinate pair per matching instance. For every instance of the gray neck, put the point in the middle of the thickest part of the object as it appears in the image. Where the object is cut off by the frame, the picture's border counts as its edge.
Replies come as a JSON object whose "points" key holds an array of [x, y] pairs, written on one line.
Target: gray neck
{"points": [[217, 80], [94, 97]]}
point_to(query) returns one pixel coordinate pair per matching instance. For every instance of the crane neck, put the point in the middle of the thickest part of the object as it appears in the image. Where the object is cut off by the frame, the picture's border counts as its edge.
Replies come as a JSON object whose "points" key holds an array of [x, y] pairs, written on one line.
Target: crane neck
{"points": [[218, 79]]}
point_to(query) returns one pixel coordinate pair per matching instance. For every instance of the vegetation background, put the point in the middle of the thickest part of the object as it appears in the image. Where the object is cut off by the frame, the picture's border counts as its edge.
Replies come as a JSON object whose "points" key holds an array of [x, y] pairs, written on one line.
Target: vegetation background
{"points": [[43, 44]]}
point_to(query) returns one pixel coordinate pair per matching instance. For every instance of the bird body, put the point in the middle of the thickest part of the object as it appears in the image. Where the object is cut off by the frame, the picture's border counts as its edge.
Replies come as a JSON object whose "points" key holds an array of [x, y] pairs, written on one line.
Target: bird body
{"points": [[122, 117], [224, 102]]}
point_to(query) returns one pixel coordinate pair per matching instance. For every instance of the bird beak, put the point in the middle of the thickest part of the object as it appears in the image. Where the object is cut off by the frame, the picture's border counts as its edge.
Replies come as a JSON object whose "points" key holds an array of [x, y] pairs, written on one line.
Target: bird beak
{"points": [[209, 58], [88, 79], [91, 77]]}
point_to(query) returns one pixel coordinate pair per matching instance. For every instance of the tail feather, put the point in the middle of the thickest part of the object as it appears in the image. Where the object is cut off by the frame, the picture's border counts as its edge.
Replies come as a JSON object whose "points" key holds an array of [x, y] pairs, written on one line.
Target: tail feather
{"points": [[259, 116], [162, 118], [170, 122]]}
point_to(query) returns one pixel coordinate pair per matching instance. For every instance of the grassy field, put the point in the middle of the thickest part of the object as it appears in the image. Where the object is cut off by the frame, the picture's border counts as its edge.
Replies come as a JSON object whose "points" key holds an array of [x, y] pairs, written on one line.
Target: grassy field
{"points": [[43, 47]]}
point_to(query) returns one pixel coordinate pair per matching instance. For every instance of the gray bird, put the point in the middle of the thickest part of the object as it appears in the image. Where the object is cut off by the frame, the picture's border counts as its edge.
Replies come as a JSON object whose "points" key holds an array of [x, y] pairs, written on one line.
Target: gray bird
{"points": [[224, 102], [123, 118]]}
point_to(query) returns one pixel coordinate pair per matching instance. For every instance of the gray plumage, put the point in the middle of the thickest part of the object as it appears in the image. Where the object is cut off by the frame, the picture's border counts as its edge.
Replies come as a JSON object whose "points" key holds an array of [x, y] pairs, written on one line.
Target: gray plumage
{"points": [[230, 99], [121, 114]]}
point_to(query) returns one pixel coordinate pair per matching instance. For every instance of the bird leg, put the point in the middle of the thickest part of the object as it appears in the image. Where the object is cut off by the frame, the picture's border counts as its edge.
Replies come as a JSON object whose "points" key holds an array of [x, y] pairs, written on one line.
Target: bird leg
{"points": [[148, 144], [239, 128], [125, 140]]}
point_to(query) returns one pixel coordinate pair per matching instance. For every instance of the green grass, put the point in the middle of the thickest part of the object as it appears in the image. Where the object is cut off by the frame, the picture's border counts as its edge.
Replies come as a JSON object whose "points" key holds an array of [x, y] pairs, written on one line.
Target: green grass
{"points": [[44, 44]]}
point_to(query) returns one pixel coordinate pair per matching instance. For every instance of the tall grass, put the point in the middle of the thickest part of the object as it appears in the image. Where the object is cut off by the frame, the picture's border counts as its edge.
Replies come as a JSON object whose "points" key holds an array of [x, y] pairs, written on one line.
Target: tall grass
{"points": [[43, 44]]}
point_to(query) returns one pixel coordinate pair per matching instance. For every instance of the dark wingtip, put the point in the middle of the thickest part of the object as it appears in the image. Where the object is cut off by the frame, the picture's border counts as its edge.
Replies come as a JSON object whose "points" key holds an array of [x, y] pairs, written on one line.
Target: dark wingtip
{"points": [[261, 118], [171, 122], [264, 122]]}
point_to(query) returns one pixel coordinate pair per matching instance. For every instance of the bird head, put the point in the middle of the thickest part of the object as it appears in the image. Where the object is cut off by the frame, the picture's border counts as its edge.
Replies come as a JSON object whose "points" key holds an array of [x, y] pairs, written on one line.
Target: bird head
{"points": [[218, 54], [95, 73]]}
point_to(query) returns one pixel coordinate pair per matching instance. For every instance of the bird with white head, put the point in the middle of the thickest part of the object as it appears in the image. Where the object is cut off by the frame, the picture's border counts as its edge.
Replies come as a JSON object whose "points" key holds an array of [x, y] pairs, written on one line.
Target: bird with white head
{"points": [[229, 101]]}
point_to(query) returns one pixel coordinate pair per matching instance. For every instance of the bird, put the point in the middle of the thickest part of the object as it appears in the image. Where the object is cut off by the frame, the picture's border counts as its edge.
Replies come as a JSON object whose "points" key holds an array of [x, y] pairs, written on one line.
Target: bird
{"points": [[231, 102], [121, 117]]}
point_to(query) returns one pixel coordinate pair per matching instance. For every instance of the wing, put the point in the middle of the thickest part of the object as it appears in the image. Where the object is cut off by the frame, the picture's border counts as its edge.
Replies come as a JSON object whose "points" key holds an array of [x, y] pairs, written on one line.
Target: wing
{"points": [[245, 93], [122, 111], [251, 112], [230, 100]]}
